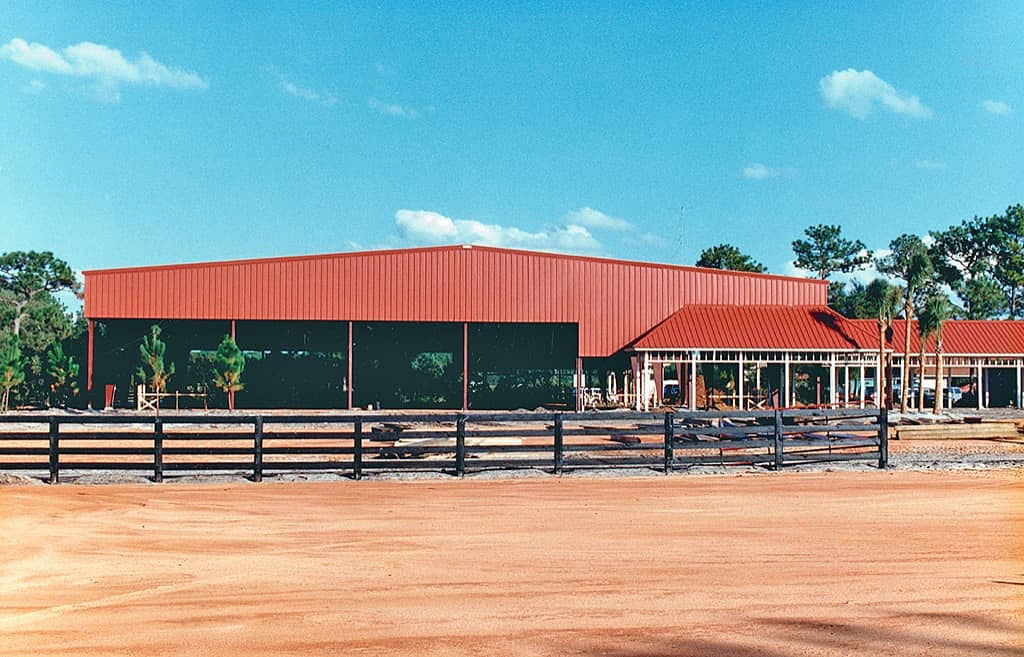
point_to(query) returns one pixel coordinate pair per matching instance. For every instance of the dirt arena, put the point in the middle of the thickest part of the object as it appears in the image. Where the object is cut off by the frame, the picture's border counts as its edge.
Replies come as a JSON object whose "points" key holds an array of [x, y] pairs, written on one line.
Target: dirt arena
{"points": [[790, 564]]}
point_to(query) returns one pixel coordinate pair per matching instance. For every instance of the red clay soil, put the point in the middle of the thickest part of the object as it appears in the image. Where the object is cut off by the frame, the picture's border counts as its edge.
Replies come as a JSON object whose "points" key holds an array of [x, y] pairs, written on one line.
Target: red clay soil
{"points": [[823, 563]]}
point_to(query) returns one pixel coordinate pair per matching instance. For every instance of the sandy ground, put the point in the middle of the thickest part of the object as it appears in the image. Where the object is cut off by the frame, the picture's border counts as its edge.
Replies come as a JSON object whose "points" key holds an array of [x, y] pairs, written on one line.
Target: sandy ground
{"points": [[790, 564]]}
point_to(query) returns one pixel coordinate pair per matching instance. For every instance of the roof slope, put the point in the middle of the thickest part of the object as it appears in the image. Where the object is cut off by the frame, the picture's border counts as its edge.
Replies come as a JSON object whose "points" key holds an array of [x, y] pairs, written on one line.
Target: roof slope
{"points": [[818, 328], [612, 300], [799, 327]]}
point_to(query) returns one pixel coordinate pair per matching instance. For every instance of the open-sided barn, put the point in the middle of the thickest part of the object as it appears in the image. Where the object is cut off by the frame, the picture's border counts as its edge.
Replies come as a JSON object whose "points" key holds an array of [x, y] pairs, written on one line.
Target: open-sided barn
{"points": [[484, 327]]}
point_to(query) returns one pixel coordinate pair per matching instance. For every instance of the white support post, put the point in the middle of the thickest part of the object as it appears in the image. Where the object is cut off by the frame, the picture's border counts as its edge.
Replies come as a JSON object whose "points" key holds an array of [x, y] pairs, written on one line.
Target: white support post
{"points": [[739, 386], [645, 382], [757, 379], [879, 392], [981, 386], [846, 385], [860, 384], [832, 399], [785, 382], [693, 380], [1020, 395]]}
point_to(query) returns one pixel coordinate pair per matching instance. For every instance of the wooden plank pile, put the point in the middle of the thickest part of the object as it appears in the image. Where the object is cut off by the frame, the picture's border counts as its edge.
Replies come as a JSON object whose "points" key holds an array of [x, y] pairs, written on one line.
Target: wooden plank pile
{"points": [[995, 430]]}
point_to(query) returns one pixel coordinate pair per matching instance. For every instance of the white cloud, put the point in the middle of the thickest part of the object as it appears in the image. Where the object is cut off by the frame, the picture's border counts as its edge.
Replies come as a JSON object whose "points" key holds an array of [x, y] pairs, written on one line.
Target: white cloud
{"points": [[934, 165], [758, 171], [35, 87], [857, 93], [996, 107], [427, 227], [106, 66], [591, 218], [394, 109], [305, 93]]}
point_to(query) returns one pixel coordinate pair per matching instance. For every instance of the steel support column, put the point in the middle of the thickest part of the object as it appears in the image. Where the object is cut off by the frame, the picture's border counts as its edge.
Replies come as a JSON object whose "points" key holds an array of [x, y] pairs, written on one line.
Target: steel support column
{"points": [[348, 364], [860, 384], [465, 366], [89, 362], [579, 384]]}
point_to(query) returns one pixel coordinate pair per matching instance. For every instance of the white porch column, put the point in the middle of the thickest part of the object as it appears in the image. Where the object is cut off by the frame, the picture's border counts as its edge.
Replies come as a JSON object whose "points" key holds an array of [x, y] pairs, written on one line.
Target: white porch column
{"points": [[693, 381], [739, 385], [860, 384], [757, 379], [645, 381], [981, 386], [879, 392], [1020, 395], [785, 382], [636, 383], [832, 398]]}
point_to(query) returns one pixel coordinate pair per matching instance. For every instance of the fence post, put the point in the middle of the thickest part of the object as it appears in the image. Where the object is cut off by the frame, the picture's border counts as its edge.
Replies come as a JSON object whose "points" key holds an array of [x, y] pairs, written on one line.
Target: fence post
{"points": [[558, 443], [777, 441], [54, 451], [460, 445], [883, 438], [357, 451], [158, 450], [669, 437], [257, 449]]}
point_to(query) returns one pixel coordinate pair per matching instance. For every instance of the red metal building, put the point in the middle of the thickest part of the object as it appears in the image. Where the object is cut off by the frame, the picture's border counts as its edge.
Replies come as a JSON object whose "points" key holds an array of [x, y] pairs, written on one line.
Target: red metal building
{"points": [[617, 308]]}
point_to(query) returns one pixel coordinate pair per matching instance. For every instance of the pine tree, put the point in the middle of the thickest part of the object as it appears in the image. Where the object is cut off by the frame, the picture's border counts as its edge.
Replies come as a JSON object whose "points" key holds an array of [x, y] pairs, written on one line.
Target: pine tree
{"points": [[153, 368], [63, 372], [12, 368], [229, 364]]}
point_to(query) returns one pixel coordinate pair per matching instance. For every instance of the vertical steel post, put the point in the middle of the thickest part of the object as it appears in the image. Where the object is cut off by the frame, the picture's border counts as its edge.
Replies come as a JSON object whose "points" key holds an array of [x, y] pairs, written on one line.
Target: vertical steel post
{"points": [[669, 437], [257, 450], [54, 451], [357, 449], [349, 364], [460, 445], [883, 438], [777, 441], [465, 366], [158, 450], [89, 363], [558, 443]]}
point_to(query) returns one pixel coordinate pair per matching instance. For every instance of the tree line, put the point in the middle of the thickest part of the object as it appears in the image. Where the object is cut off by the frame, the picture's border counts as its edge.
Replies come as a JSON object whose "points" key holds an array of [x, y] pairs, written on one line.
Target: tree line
{"points": [[979, 264]]}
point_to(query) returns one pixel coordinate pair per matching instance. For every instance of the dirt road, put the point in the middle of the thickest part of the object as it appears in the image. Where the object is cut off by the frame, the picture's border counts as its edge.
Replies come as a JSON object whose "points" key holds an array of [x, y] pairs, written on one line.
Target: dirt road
{"points": [[867, 563]]}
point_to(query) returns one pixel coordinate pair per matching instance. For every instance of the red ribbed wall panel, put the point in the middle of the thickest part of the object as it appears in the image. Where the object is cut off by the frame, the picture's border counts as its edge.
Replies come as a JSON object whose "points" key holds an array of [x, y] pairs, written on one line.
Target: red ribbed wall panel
{"points": [[613, 301]]}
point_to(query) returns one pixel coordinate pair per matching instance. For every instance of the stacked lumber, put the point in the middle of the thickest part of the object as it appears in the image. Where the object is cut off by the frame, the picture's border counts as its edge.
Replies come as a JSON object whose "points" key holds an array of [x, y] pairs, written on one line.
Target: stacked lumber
{"points": [[959, 431]]}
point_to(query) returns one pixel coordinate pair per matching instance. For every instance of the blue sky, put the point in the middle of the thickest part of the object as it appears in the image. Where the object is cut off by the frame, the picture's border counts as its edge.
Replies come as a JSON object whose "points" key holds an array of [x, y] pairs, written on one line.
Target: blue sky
{"points": [[147, 134]]}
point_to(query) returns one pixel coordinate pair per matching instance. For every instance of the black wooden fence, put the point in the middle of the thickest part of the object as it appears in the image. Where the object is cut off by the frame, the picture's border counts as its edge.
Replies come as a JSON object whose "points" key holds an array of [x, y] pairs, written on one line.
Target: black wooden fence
{"points": [[354, 444]]}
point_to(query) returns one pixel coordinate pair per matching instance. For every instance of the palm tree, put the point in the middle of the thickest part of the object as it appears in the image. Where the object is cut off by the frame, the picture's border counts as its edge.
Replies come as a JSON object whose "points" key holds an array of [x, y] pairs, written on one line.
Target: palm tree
{"points": [[925, 329], [937, 310], [886, 298], [919, 268]]}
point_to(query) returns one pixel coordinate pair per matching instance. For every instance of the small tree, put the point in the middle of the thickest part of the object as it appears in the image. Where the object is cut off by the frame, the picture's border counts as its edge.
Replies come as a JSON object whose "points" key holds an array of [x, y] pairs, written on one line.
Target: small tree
{"points": [[63, 372], [12, 368], [228, 365], [153, 368], [726, 256]]}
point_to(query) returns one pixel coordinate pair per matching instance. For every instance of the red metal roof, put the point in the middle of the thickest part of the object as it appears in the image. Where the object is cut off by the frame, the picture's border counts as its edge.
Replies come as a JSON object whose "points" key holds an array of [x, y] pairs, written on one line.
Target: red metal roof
{"points": [[818, 328], [613, 301], [799, 327], [963, 336]]}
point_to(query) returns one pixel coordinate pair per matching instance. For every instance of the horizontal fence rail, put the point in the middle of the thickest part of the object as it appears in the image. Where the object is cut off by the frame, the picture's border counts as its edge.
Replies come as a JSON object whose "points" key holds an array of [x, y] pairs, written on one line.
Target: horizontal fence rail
{"points": [[355, 444]]}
